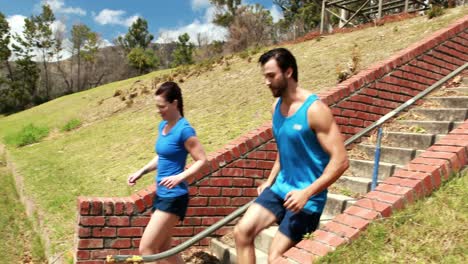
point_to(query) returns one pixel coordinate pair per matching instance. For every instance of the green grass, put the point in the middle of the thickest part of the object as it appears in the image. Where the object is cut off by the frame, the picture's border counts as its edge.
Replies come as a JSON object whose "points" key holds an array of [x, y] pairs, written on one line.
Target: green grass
{"points": [[72, 124], [19, 243], [433, 230], [115, 139], [28, 135]]}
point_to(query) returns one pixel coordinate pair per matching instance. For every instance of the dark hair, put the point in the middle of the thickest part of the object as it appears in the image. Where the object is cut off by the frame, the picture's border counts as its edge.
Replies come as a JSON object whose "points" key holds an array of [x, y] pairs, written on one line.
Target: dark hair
{"points": [[284, 59], [171, 91]]}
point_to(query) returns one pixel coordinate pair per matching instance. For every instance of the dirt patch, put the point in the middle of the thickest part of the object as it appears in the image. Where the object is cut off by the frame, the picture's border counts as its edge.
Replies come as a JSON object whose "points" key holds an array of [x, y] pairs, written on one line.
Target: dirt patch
{"points": [[199, 255]]}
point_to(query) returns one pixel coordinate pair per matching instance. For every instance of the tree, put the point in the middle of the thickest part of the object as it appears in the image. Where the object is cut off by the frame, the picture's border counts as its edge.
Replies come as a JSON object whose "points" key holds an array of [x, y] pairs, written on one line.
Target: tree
{"points": [[5, 52], [59, 38], [226, 11], [136, 43], [252, 26], [42, 39], [24, 87], [183, 54], [300, 16], [137, 36], [85, 45], [142, 59], [89, 55]]}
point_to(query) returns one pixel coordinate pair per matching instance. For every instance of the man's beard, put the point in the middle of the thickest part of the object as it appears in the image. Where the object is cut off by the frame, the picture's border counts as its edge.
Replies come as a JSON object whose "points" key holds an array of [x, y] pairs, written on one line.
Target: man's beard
{"points": [[279, 89]]}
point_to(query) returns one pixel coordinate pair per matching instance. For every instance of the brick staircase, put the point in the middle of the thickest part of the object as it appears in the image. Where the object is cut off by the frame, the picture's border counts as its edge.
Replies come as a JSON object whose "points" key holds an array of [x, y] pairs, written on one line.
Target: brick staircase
{"points": [[237, 168], [405, 139]]}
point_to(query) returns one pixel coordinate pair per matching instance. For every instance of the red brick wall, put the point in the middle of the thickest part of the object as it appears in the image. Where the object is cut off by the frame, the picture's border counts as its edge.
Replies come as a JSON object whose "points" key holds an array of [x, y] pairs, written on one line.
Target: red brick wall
{"points": [[114, 225]]}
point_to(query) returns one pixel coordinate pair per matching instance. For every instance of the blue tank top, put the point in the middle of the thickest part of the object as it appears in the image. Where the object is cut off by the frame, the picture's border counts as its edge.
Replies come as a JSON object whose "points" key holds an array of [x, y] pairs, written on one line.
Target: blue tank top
{"points": [[302, 159], [172, 156]]}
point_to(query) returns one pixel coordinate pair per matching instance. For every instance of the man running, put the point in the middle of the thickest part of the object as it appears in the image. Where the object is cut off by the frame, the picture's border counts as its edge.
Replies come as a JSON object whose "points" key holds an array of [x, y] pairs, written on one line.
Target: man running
{"points": [[311, 156]]}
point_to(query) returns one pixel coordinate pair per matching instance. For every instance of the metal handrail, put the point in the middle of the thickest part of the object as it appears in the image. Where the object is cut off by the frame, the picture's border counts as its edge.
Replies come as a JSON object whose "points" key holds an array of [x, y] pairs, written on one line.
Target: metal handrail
{"points": [[181, 247]]}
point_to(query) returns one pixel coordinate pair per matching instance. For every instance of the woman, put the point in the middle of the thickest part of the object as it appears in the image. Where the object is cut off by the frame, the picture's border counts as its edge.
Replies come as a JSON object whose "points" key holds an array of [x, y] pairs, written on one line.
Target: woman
{"points": [[176, 139]]}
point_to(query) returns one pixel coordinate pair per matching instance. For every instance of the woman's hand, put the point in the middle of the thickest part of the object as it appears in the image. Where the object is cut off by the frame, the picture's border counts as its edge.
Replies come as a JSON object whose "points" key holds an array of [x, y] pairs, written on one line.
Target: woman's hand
{"points": [[171, 181], [134, 177]]}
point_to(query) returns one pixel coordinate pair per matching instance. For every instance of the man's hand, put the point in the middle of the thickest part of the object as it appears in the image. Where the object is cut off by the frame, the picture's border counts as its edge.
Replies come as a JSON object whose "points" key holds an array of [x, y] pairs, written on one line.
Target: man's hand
{"points": [[262, 187], [171, 181], [296, 200]]}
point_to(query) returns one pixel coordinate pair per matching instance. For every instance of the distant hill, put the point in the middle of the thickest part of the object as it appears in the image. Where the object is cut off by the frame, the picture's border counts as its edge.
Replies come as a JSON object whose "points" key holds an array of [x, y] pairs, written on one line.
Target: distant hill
{"points": [[111, 65]]}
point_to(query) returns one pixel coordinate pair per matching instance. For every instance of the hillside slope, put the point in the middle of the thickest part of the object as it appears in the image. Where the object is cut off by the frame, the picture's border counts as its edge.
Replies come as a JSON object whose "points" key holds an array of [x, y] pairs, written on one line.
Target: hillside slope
{"points": [[221, 104]]}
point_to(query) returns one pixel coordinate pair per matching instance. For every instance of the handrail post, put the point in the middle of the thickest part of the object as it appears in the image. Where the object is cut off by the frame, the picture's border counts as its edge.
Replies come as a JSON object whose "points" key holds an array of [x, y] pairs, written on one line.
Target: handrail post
{"points": [[375, 173]]}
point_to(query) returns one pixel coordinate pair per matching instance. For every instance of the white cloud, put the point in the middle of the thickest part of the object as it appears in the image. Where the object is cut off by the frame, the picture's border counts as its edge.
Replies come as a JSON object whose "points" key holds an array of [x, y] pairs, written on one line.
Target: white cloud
{"points": [[209, 31], [105, 43], [16, 23], [58, 6], [205, 28], [210, 14], [276, 13], [200, 4], [116, 17]]}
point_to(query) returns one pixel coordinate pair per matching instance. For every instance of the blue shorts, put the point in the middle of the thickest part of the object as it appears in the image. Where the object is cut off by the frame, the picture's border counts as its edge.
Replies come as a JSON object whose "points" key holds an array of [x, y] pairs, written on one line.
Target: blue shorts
{"points": [[292, 225], [174, 205]]}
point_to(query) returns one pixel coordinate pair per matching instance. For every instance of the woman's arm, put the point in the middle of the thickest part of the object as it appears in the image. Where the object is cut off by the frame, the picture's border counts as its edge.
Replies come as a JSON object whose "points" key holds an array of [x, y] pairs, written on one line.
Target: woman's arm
{"points": [[195, 148], [151, 166]]}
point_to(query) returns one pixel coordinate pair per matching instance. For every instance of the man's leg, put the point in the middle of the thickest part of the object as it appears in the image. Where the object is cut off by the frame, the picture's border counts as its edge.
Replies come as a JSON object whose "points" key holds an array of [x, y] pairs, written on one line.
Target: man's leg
{"points": [[254, 220], [291, 230], [280, 244]]}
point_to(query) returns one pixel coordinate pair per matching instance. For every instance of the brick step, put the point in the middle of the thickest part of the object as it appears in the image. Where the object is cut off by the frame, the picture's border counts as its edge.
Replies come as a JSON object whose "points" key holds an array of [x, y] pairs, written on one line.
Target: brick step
{"points": [[365, 168], [357, 185], [395, 155], [431, 127], [408, 140], [441, 114], [227, 254], [450, 101], [460, 90], [337, 203]]}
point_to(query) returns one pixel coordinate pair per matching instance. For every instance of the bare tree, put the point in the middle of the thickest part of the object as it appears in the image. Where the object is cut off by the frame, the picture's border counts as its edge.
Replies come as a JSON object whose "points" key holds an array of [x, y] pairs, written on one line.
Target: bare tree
{"points": [[251, 26]]}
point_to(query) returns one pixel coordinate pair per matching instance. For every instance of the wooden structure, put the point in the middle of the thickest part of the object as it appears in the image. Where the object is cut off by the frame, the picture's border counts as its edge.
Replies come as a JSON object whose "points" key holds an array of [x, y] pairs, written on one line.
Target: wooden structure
{"points": [[354, 12]]}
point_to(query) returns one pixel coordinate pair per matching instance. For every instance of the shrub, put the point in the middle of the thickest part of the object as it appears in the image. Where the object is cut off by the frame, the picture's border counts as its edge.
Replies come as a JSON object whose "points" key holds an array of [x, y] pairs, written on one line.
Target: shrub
{"points": [[72, 124], [28, 135], [435, 11]]}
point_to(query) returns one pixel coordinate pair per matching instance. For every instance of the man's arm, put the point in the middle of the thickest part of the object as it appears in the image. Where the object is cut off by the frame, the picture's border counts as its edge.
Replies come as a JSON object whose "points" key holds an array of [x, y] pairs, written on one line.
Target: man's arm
{"points": [[276, 166], [271, 178], [321, 121]]}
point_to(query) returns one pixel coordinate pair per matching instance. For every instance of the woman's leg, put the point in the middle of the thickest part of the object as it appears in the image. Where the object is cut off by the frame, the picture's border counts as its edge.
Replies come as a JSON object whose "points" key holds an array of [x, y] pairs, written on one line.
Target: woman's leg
{"points": [[175, 259], [158, 232]]}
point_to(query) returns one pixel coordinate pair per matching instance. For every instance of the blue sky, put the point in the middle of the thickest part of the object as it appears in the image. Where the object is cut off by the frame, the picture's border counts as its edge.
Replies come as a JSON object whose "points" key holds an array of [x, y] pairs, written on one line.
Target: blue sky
{"points": [[111, 18]]}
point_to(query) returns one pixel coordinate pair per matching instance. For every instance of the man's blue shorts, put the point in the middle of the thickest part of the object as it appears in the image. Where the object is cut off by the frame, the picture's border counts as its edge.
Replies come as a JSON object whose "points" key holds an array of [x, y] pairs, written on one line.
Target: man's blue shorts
{"points": [[292, 225], [174, 205]]}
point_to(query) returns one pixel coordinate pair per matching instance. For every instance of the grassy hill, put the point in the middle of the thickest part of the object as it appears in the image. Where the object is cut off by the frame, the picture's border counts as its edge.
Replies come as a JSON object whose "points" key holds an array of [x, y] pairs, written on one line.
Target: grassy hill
{"points": [[116, 139], [432, 230]]}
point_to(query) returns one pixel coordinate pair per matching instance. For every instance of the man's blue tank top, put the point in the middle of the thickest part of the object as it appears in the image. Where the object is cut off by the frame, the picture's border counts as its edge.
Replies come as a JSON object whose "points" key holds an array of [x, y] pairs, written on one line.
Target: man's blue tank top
{"points": [[302, 159], [172, 156]]}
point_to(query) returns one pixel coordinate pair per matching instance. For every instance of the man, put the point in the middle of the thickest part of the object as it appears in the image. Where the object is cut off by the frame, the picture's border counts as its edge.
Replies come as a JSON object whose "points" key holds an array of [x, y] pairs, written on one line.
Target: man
{"points": [[311, 156]]}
